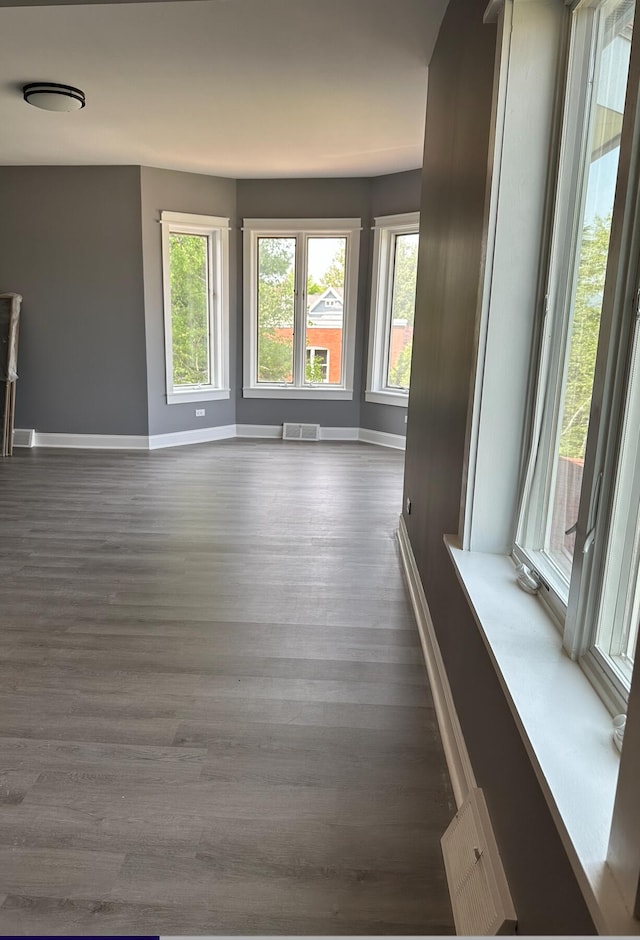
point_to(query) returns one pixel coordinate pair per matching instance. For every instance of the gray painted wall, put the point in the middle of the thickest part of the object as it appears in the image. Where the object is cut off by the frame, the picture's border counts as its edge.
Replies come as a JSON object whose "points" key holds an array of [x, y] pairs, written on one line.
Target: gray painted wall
{"points": [[319, 199], [70, 243], [182, 192], [545, 892], [390, 195], [398, 192], [83, 246]]}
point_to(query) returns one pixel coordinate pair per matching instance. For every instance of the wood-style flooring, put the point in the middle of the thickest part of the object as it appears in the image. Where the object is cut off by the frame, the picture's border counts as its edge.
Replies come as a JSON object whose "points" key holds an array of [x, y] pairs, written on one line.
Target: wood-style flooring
{"points": [[214, 712]]}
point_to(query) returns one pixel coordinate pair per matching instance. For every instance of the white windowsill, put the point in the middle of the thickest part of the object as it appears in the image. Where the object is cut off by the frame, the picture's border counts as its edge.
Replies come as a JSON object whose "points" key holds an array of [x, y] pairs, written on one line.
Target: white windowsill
{"points": [[321, 394], [388, 398], [203, 394], [565, 728]]}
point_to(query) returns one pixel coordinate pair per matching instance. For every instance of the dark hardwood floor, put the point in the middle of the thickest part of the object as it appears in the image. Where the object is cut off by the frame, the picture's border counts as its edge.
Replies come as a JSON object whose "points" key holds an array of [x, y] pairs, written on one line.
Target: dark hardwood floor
{"points": [[214, 713]]}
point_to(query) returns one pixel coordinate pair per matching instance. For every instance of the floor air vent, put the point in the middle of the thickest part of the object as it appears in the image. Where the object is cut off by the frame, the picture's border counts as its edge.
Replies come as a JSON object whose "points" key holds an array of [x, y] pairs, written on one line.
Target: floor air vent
{"points": [[478, 887], [301, 432]]}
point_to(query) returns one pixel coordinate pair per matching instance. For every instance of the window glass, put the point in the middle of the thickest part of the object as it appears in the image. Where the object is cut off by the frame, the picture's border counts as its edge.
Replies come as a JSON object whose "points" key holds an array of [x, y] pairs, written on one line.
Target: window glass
{"points": [[585, 301], [276, 302], [325, 307], [189, 272], [403, 299]]}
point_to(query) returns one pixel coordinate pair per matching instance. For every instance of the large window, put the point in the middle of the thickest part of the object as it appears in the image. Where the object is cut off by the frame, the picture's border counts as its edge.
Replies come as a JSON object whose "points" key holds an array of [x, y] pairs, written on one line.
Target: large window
{"points": [[195, 278], [393, 296], [577, 487], [300, 307]]}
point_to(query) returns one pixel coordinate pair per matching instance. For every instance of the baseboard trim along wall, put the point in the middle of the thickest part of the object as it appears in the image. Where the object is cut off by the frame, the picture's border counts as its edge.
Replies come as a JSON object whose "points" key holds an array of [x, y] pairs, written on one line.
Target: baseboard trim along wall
{"points": [[196, 436], [455, 749], [27, 437], [84, 441], [382, 438]]}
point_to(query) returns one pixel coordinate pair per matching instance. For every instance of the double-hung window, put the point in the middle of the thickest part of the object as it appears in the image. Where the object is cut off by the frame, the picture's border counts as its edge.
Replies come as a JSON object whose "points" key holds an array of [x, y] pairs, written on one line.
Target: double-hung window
{"points": [[301, 283], [578, 531], [195, 261], [393, 295]]}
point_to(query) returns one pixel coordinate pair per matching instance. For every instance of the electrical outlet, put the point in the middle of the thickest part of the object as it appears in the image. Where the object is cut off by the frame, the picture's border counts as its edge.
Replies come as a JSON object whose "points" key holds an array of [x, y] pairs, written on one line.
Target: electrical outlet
{"points": [[200, 412], [408, 506]]}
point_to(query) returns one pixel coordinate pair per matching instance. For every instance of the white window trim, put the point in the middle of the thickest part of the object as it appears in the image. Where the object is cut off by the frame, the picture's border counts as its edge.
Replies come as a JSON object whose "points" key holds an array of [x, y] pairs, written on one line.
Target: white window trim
{"points": [[254, 229], [576, 607], [217, 228], [386, 227], [314, 349], [565, 728]]}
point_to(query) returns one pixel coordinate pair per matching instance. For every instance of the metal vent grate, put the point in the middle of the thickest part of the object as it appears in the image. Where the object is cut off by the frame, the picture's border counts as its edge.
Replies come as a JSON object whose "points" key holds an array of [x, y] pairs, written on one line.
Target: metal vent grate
{"points": [[24, 437], [480, 897], [301, 432]]}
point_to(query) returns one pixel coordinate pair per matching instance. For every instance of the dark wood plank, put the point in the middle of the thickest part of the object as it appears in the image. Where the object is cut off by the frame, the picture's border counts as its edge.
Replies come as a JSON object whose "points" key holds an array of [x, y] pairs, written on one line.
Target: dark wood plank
{"points": [[214, 714]]}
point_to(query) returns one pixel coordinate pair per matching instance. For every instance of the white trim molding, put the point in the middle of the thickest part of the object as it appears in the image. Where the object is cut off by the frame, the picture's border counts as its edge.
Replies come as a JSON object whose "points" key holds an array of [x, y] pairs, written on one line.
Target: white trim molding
{"points": [[195, 436], [330, 393], [83, 441], [455, 749], [27, 437], [265, 431], [382, 438], [205, 394]]}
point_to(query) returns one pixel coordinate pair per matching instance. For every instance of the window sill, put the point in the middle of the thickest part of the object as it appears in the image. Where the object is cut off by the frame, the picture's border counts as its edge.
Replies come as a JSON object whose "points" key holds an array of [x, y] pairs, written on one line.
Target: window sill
{"points": [[400, 399], [566, 729], [320, 394], [204, 394]]}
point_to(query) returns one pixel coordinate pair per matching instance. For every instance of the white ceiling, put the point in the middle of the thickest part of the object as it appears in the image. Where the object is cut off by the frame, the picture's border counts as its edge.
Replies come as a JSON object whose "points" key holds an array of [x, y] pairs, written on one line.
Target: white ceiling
{"points": [[241, 88]]}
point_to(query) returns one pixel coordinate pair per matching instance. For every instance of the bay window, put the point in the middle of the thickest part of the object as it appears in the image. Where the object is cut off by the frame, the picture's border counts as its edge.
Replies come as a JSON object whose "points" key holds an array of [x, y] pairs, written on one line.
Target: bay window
{"points": [[300, 307]]}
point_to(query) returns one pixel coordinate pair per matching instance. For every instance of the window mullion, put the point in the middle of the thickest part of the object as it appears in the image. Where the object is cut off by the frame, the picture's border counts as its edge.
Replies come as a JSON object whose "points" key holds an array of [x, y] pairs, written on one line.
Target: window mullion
{"points": [[299, 310], [213, 321]]}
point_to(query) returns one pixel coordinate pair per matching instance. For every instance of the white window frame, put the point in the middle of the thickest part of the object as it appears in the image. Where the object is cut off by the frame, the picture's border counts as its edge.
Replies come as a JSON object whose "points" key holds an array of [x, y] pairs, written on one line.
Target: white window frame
{"points": [[575, 607], [385, 230], [315, 349], [216, 228], [301, 229]]}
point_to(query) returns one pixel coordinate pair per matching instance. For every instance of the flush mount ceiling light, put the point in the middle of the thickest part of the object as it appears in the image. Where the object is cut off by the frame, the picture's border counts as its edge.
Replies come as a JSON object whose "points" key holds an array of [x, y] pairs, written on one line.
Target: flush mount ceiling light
{"points": [[50, 96]]}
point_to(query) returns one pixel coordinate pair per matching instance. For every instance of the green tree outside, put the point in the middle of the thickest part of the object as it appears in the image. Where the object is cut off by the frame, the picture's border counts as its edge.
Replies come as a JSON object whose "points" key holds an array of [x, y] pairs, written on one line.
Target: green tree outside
{"points": [[189, 313], [403, 305], [592, 269], [276, 258]]}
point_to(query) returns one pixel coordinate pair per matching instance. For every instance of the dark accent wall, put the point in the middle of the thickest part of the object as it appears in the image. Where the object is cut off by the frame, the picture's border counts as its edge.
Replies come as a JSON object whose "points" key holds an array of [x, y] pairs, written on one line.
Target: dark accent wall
{"points": [[310, 199], [173, 191], [545, 892], [70, 243]]}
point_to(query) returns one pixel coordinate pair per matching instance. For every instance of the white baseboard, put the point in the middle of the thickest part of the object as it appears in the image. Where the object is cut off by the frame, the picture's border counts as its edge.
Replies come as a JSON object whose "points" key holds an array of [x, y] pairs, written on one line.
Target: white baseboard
{"points": [[455, 749], [259, 430], [88, 441], [30, 438], [382, 438], [195, 436], [339, 434]]}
